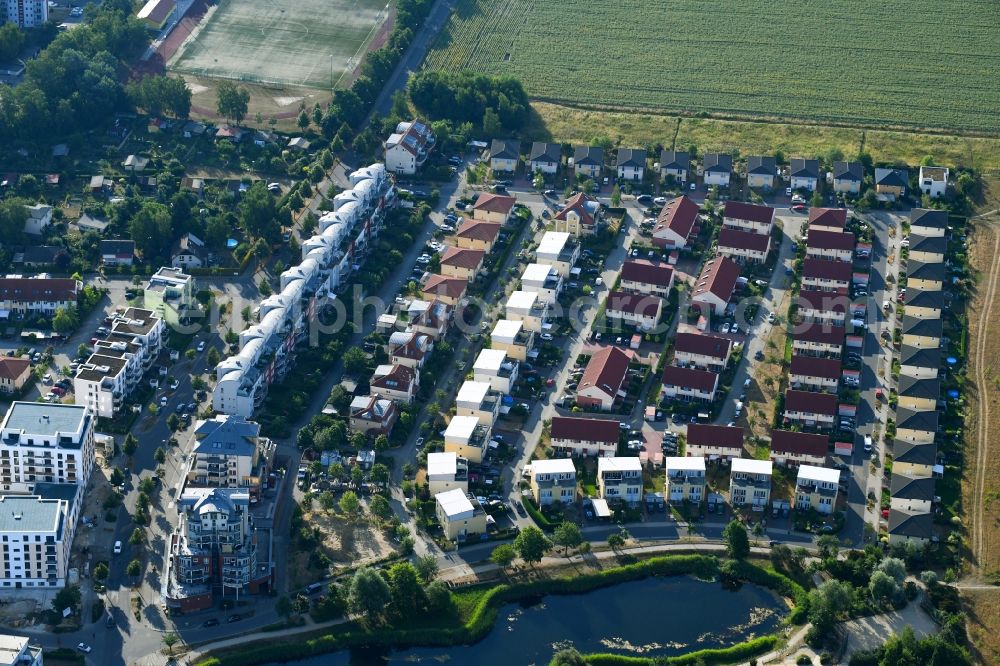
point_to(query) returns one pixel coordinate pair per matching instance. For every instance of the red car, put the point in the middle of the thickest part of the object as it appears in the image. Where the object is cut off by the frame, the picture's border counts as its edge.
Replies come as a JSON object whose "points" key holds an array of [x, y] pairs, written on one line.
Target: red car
{"points": [[799, 208], [59, 391], [879, 395]]}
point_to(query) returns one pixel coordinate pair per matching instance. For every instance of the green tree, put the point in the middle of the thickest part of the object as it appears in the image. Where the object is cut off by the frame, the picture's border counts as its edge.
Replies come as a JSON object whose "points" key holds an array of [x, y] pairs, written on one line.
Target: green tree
{"points": [[257, 213], [233, 101], [160, 455], [283, 606], [379, 506], [427, 567], [137, 537], [439, 600], [828, 546], [152, 230], [65, 319], [503, 555], [737, 541], [355, 362], [11, 41], [407, 592], [173, 422], [231, 337], [264, 287], [327, 500], [882, 587], [895, 567], [567, 535], [616, 541], [568, 657], [817, 200], [101, 571], [616, 196], [368, 595], [531, 544], [491, 124], [170, 639], [213, 357], [379, 474], [130, 445], [134, 570], [303, 121], [349, 503], [68, 597], [381, 443]]}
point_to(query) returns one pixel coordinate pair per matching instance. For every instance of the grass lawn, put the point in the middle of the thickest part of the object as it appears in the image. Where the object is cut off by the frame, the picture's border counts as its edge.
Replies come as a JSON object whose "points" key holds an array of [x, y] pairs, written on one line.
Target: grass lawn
{"points": [[851, 63]]}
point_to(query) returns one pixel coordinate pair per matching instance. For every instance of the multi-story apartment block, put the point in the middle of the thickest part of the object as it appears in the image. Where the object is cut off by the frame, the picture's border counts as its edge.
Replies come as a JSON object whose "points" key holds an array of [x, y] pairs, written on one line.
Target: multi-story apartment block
{"points": [[50, 443], [512, 338], [446, 470], [341, 243], [407, 148], [40, 295], [37, 532], [459, 514], [816, 489], [170, 294], [552, 480], [493, 367], [527, 308], [19, 651], [559, 250], [750, 483], [229, 452], [685, 479], [467, 437], [620, 478], [24, 13], [480, 400], [542, 280], [587, 437]]}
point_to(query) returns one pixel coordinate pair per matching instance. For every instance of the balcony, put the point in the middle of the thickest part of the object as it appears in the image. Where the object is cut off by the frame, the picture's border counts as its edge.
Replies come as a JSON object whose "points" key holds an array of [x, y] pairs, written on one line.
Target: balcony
{"points": [[752, 481]]}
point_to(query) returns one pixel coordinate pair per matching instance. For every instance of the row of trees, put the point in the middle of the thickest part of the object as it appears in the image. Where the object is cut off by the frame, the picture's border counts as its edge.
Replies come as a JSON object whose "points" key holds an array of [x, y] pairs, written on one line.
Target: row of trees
{"points": [[157, 94], [497, 104]]}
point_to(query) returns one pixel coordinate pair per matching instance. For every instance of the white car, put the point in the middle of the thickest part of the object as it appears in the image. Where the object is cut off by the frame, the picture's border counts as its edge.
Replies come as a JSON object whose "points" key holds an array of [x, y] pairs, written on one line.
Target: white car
{"points": [[174, 383], [694, 187], [725, 327], [201, 346], [659, 201], [735, 329], [154, 383], [163, 401], [546, 336], [599, 281], [83, 647], [118, 547], [771, 318], [868, 442]]}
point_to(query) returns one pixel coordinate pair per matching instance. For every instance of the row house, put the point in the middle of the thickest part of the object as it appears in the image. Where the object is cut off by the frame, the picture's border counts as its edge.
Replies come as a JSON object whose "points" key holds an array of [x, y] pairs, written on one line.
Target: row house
{"points": [[579, 216], [805, 408], [407, 148], [928, 276], [493, 208], [552, 481], [675, 164], [750, 483], [910, 527], [914, 459], [639, 276], [342, 241], [827, 219], [814, 373], [512, 338], [620, 478], [826, 275], [559, 250], [493, 367], [479, 400], [468, 437], [638, 310], [816, 488], [743, 246], [675, 223], [603, 379], [923, 304], [717, 169], [824, 308], [688, 384], [543, 280], [459, 262], [920, 362], [585, 437], [714, 442], [911, 493], [446, 470], [748, 217], [918, 393], [476, 235], [715, 285], [916, 425], [922, 333], [685, 479], [527, 308], [832, 245], [929, 222], [818, 340], [798, 448], [395, 382], [702, 350], [931, 249], [38, 295]]}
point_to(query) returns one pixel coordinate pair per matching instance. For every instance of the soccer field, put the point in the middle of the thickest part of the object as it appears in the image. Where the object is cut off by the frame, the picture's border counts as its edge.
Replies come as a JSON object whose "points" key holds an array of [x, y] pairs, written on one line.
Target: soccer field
{"points": [[905, 63], [307, 43]]}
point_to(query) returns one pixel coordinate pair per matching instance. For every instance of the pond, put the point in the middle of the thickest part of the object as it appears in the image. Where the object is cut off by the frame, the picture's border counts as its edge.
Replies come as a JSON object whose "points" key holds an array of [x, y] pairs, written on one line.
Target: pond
{"points": [[652, 617]]}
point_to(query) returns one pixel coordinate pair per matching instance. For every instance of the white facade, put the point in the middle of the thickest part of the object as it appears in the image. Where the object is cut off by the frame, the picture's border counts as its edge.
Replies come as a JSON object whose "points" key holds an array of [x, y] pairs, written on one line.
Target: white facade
{"points": [[493, 367], [543, 280], [620, 478], [552, 480], [37, 534], [750, 483], [527, 308], [46, 443], [446, 471], [556, 250], [18, 651], [933, 181]]}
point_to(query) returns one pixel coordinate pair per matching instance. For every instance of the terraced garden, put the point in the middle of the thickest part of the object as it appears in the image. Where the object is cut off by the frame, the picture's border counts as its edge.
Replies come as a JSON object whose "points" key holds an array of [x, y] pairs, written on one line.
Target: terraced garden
{"points": [[897, 63]]}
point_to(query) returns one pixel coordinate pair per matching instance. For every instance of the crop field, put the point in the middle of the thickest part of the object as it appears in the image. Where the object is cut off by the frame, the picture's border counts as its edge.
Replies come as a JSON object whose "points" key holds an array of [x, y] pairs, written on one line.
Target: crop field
{"points": [[896, 63], [303, 43]]}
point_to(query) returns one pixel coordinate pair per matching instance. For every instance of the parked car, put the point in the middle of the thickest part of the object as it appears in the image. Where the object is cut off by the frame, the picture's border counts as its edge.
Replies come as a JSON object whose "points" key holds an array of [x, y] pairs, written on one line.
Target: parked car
{"points": [[201, 346], [211, 622], [83, 647]]}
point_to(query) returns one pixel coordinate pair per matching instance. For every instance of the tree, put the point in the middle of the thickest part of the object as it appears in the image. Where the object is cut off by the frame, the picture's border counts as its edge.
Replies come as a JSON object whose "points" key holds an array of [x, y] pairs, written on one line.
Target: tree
{"points": [[439, 599], [173, 422], [895, 567], [368, 595], [381, 443], [616, 196], [152, 230], [882, 587], [160, 455], [737, 541], [826, 603], [491, 124], [11, 41], [137, 537], [258, 213], [379, 506], [327, 500], [427, 567], [130, 445], [568, 657], [817, 200], [355, 361], [264, 287], [503, 555], [213, 357], [828, 546], [349, 503], [567, 535], [379, 474], [101, 571], [616, 541], [407, 592], [134, 570], [170, 639], [233, 101], [68, 597], [65, 319], [531, 544]]}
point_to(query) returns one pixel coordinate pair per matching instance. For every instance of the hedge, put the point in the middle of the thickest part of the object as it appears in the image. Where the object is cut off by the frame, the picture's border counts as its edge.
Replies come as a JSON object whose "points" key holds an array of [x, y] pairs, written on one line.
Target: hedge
{"points": [[485, 613], [735, 653]]}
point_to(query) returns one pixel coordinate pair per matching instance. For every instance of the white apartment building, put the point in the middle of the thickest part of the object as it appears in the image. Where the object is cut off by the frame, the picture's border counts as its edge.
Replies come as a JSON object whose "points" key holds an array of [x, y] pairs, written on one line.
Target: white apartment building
{"points": [[620, 478], [446, 470], [407, 148], [19, 651], [37, 537], [559, 250], [467, 437], [46, 443], [492, 366], [750, 483], [24, 13], [552, 480], [170, 294], [478, 399], [527, 308], [542, 280], [685, 479], [816, 488]]}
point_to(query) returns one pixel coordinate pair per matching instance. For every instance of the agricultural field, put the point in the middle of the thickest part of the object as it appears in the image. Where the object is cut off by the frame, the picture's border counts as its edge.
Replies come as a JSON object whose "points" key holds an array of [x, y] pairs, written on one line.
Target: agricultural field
{"points": [[898, 63], [300, 43]]}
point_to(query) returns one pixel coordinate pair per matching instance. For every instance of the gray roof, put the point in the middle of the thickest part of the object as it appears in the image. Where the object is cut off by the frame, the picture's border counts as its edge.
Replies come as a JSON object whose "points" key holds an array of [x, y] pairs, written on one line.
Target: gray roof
{"points": [[915, 387], [505, 149], [675, 159], [99, 366], [545, 152], [588, 156], [762, 165], [63, 491], [717, 162], [803, 168], [39, 418], [923, 327], [911, 487], [924, 420], [914, 453], [922, 298], [892, 177], [28, 513], [633, 157], [117, 247], [926, 217], [911, 524], [848, 171], [227, 435], [922, 243], [42, 254], [921, 357], [925, 270]]}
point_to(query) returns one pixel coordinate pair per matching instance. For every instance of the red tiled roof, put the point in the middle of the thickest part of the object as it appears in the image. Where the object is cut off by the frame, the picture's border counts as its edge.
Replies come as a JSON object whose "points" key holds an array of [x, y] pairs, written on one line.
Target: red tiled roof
{"points": [[824, 301], [827, 269], [640, 270], [700, 434], [637, 304], [718, 277], [479, 230], [593, 430], [820, 334], [701, 380], [828, 217], [12, 368], [441, 285], [38, 290], [745, 211], [744, 240], [494, 203], [462, 258], [606, 370], [802, 443], [578, 205], [703, 345], [678, 215], [810, 366], [811, 402], [400, 378], [821, 239]]}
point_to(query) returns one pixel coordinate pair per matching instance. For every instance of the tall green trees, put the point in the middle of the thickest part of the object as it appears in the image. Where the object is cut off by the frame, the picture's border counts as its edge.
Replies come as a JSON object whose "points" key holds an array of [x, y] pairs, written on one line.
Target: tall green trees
{"points": [[232, 101]]}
